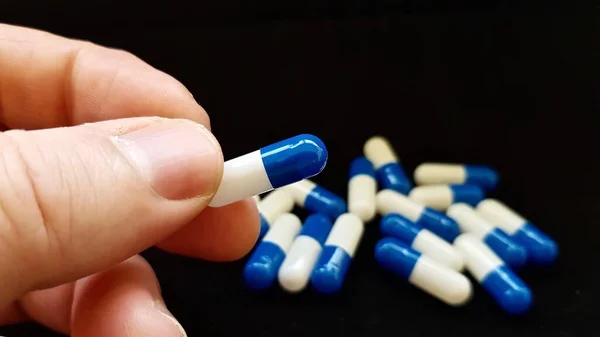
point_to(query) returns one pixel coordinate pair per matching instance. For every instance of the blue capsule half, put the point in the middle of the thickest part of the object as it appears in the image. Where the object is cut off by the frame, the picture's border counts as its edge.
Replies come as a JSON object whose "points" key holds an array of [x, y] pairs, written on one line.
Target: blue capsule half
{"points": [[466, 193], [392, 176], [439, 223], [331, 269], [294, 159], [513, 254], [541, 248], [321, 200], [361, 166], [396, 256], [264, 227], [508, 290], [481, 175], [316, 226], [261, 270], [397, 226]]}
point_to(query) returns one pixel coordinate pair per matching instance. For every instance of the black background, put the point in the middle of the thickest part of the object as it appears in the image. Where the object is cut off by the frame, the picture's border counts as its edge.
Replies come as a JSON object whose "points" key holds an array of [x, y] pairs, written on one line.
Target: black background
{"points": [[509, 85]]}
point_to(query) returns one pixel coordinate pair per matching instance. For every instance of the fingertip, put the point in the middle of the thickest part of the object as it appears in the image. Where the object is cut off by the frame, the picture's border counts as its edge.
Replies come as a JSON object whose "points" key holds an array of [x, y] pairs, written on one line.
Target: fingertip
{"points": [[218, 234], [123, 301]]}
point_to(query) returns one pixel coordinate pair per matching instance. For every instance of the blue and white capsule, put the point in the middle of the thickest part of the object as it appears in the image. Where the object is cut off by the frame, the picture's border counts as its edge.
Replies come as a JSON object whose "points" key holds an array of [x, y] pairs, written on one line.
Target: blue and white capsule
{"points": [[541, 249], [300, 261], [444, 173], [422, 240], [272, 206], [390, 173], [317, 199], [262, 267], [341, 244], [445, 284], [362, 188], [512, 253], [389, 201], [440, 197], [509, 291], [272, 166]]}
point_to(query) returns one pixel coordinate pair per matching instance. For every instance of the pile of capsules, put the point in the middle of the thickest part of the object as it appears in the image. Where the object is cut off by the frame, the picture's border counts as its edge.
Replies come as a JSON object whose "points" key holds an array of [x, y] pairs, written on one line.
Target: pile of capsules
{"points": [[421, 244]]}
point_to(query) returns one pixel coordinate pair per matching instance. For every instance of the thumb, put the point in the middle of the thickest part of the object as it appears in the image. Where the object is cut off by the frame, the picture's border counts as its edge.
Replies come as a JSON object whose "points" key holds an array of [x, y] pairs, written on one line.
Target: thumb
{"points": [[74, 201]]}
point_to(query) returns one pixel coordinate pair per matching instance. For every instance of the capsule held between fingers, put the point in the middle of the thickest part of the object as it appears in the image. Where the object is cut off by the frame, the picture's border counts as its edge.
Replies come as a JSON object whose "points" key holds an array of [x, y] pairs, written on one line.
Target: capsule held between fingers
{"points": [[273, 166]]}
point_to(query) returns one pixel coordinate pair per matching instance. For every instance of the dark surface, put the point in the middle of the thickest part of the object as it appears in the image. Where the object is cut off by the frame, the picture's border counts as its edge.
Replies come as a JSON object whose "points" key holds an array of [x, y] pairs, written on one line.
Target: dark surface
{"points": [[516, 90]]}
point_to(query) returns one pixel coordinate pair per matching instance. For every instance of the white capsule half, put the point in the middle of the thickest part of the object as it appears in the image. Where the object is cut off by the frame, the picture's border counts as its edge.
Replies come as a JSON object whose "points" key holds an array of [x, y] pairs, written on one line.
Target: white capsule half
{"points": [[300, 261], [438, 197], [439, 174], [421, 239], [389, 201], [444, 283], [379, 151], [275, 204], [362, 188]]}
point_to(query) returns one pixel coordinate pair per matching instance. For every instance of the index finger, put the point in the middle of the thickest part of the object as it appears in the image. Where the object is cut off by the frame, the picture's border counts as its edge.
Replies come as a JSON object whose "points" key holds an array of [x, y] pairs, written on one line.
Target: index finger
{"points": [[49, 81]]}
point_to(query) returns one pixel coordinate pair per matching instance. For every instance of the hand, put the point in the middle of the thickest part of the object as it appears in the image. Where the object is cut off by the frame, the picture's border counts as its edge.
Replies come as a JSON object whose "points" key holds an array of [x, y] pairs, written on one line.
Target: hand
{"points": [[92, 183]]}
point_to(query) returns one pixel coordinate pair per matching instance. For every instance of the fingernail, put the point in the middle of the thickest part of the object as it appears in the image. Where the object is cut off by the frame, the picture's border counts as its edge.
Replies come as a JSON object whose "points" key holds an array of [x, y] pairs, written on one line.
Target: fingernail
{"points": [[180, 159], [162, 308]]}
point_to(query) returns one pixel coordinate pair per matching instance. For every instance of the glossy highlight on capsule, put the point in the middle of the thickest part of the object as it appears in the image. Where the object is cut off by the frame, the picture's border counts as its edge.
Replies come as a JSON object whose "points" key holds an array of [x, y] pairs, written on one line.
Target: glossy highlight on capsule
{"points": [[270, 167], [446, 284]]}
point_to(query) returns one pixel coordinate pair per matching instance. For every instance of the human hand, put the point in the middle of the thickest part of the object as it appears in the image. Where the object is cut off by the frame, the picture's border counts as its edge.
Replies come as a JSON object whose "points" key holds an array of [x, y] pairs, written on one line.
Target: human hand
{"points": [[92, 183]]}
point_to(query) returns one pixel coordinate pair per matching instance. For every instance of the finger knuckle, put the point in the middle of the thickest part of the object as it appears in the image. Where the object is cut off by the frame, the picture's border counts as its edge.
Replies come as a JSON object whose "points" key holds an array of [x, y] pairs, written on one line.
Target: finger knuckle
{"points": [[31, 189]]}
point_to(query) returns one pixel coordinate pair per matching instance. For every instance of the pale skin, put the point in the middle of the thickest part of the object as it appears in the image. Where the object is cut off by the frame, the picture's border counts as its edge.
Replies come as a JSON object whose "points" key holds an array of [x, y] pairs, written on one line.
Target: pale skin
{"points": [[103, 157]]}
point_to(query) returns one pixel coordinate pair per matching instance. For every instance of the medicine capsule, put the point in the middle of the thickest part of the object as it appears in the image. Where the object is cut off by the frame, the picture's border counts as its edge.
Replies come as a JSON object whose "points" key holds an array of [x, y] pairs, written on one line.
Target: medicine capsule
{"points": [[422, 240], [509, 291], [541, 249], [440, 173], [317, 199], [338, 251], [300, 261], [362, 188], [389, 201], [262, 267], [273, 166], [443, 283], [512, 253], [390, 173], [272, 207], [440, 197]]}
